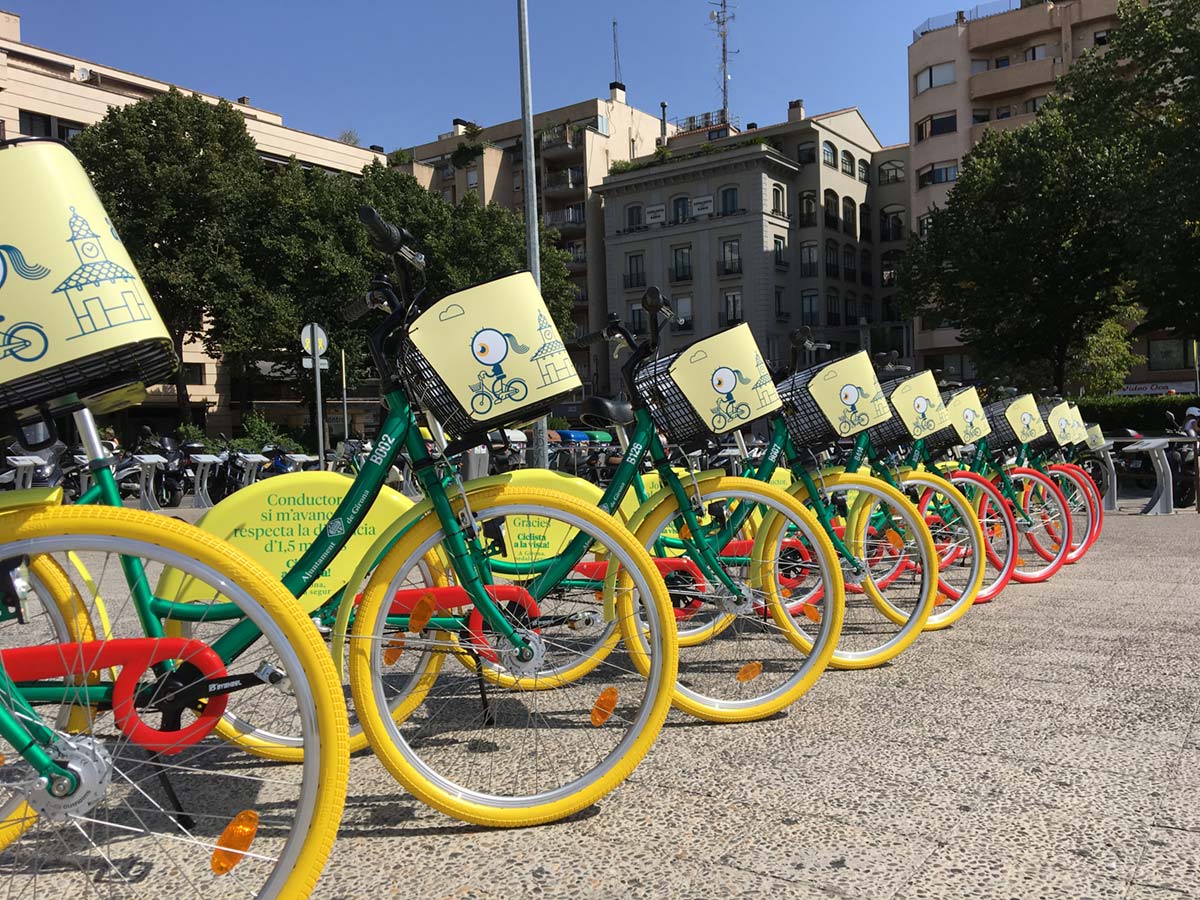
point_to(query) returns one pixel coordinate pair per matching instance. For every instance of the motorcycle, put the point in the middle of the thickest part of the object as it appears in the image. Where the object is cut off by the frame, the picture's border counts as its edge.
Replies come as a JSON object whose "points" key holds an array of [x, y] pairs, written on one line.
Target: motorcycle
{"points": [[1182, 459]]}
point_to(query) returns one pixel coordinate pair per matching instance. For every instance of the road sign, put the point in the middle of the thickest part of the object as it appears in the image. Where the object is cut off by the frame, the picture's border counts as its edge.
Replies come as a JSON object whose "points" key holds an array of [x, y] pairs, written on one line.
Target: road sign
{"points": [[311, 333], [307, 362]]}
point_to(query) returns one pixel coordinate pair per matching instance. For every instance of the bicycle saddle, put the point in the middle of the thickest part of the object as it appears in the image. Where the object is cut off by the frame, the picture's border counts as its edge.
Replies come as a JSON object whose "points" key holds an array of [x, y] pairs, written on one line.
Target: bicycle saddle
{"points": [[598, 411]]}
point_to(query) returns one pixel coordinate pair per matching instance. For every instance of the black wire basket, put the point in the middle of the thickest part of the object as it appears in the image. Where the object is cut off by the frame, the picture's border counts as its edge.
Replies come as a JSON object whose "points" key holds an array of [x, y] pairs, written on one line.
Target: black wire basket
{"points": [[1047, 443], [891, 434], [1002, 437], [806, 424], [944, 439], [426, 389], [669, 408]]}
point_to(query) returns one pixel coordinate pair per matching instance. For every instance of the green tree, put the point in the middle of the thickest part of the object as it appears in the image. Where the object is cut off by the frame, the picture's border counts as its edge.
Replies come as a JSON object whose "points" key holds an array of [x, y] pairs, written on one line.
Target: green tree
{"points": [[1026, 256], [182, 181], [1146, 87], [1099, 367]]}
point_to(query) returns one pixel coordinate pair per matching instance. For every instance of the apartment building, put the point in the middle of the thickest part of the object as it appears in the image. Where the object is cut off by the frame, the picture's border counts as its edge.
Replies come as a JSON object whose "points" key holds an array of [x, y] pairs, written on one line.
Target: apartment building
{"points": [[970, 71], [576, 146], [44, 93], [794, 224]]}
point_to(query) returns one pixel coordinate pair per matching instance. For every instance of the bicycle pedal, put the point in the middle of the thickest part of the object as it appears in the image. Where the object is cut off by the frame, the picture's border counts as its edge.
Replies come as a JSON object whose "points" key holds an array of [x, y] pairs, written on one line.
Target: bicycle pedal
{"points": [[321, 627]]}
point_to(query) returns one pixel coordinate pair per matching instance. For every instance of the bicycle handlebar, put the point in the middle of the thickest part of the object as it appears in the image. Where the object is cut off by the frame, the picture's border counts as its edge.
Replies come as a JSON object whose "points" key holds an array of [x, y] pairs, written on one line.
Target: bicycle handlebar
{"points": [[385, 237]]}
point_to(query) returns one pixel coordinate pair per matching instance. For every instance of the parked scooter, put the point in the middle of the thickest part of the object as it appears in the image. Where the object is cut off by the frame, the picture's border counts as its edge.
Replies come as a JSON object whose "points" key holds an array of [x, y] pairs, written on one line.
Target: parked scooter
{"points": [[1182, 457]]}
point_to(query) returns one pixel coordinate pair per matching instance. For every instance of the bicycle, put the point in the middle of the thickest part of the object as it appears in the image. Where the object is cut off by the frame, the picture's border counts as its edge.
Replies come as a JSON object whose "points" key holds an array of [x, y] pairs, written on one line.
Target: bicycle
{"points": [[25, 341]]}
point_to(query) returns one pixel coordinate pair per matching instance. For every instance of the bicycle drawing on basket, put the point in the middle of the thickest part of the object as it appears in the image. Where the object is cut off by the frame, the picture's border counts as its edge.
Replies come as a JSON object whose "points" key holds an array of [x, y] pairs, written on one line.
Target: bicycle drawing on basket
{"points": [[490, 346], [727, 410]]}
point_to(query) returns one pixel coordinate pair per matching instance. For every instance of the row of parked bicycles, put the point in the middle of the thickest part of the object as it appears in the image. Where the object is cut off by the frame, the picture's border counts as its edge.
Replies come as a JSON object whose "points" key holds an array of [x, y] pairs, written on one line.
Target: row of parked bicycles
{"points": [[176, 719]]}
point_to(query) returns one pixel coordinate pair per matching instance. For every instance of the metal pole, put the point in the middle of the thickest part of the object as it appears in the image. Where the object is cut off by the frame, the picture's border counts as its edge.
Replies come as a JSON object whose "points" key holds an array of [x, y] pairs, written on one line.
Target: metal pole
{"points": [[1196, 372], [345, 406], [539, 443], [316, 361]]}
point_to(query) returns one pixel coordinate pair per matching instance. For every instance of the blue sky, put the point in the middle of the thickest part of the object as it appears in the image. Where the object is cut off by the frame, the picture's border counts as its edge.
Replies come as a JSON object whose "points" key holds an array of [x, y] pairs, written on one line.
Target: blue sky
{"points": [[397, 72]]}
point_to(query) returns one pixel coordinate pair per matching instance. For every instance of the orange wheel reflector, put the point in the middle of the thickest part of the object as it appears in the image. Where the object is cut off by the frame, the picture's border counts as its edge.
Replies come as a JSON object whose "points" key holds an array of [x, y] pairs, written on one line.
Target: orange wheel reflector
{"points": [[234, 841], [893, 538], [1056, 545], [997, 531], [787, 592], [603, 708], [422, 613], [685, 532], [1020, 561], [812, 612], [749, 671], [392, 650], [941, 599]]}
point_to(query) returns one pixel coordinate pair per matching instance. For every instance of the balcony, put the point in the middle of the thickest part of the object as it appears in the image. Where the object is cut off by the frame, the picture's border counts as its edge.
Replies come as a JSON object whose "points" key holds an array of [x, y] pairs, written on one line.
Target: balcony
{"points": [[572, 218], [570, 181], [634, 280], [977, 131], [581, 297], [1011, 79], [728, 267], [783, 315], [894, 233], [1014, 26], [562, 142], [577, 261], [679, 275], [781, 263]]}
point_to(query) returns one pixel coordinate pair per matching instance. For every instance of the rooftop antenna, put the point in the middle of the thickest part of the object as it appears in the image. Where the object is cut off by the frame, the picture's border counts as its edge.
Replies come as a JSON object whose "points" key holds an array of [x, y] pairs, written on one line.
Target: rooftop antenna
{"points": [[722, 17], [616, 56]]}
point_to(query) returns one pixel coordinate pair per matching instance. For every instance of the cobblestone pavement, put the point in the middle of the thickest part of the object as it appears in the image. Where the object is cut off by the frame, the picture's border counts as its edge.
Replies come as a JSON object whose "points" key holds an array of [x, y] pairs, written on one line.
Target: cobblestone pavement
{"points": [[1047, 746]]}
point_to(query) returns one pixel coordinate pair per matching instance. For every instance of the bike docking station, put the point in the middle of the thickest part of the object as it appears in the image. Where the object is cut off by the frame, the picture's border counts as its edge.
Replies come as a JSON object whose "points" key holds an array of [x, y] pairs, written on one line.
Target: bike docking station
{"points": [[150, 464], [24, 468], [1162, 500], [301, 459], [201, 499], [253, 465]]}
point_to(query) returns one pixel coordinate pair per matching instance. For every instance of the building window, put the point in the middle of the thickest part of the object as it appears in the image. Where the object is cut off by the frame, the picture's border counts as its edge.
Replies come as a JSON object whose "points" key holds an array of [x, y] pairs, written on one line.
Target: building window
{"points": [[831, 259], [833, 307], [518, 179], [850, 263], [806, 153], [1033, 104], [1100, 38], [637, 319], [730, 262], [781, 311], [923, 224], [887, 310], [193, 373], [847, 163], [35, 124], [808, 260], [808, 209], [635, 270], [634, 217], [891, 172], [809, 314], [942, 123], [829, 154], [864, 222], [891, 223], [682, 307], [864, 171], [679, 210], [731, 307], [1001, 62], [778, 201], [979, 116], [849, 216], [472, 177], [729, 201], [889, 268], [867, 277], [934, 76], [978, 65], [1003, 112], [831, 209], [937, 173], [867, 311], [780, 251], [1169, 353], [68, 130], [1036, 52], [681, 263], [954, 366], [851, 308]]}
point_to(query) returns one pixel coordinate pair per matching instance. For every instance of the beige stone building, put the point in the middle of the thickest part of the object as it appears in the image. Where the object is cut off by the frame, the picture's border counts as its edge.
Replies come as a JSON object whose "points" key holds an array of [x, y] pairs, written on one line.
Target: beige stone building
{"points": [[576, 146], [44, 93], [969, 72], [792, 224]]}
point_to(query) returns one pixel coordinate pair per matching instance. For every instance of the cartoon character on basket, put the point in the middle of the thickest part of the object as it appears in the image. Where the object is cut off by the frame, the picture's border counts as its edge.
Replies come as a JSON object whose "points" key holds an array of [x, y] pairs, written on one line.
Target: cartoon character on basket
{"points": [[850, 395], [1064, 429], [724, 381], [25, 341], [1027, 425], [490, 346], [972, 431], [923, 422]]}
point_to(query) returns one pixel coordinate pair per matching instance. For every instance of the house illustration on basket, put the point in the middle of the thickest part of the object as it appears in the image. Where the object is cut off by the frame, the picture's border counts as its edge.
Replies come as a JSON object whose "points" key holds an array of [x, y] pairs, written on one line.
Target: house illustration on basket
{"points": [[102, 293], [764, 387], [553, 361]]}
